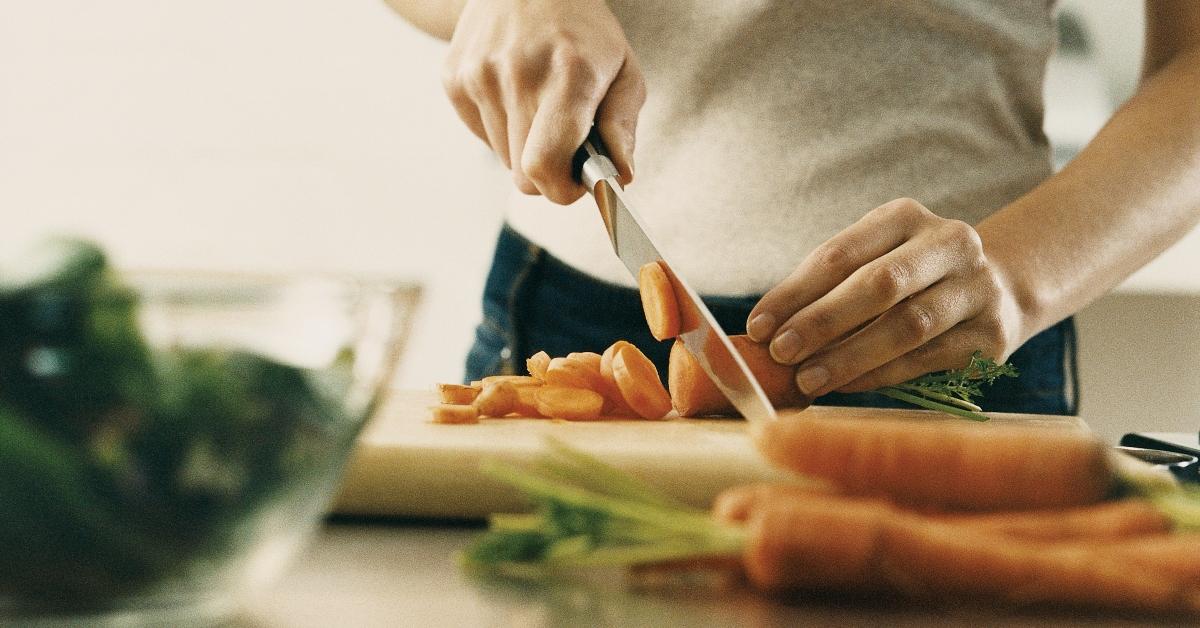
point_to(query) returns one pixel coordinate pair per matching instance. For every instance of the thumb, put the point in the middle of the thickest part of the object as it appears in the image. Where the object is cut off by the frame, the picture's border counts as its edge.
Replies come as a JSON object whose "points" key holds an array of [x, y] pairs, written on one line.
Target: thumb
{"points": [[617, 116]]}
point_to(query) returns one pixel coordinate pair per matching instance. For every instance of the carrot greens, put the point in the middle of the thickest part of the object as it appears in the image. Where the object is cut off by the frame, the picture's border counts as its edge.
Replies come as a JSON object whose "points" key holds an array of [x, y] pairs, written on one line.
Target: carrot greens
{"points": [[952, 391], [591, 514]]}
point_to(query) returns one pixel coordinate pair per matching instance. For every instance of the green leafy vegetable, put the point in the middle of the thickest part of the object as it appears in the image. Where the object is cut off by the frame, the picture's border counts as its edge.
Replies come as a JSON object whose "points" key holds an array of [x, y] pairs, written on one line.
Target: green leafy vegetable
{"points": [[591, 514], [952, 391]]}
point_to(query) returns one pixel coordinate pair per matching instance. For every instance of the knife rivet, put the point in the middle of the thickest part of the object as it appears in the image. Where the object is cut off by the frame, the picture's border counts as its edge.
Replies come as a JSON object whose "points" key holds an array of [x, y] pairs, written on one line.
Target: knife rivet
{"points": [[505, 353]]}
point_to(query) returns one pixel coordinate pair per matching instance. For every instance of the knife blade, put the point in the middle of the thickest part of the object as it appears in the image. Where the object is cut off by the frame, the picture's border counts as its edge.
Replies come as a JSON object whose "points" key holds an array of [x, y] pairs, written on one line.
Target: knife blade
{"points": [[699, 330]]}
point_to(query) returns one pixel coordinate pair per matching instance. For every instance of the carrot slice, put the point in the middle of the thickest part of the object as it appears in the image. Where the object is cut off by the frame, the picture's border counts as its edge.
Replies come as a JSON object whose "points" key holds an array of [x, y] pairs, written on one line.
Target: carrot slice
{"points": [[457, 393], [454, 414], [574, 373], [658, 301], [537, 364], [637, 379], [587, 357], [526, 405], [497, 399], [573, 404], [516, 380], [616, 406]]}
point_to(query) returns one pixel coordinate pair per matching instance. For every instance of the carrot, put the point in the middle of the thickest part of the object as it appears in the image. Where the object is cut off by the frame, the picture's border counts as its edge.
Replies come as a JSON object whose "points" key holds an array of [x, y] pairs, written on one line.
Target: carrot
{"points": [[454, 414], [526, 405], [537, 364], [516, 380], [574, 404], [497, 399], [1106, 521], [843, 544], [457, 393], [638, 381], [574, 373], [658, 301], [735, 505], [591, 359], [693, 393], [616, 401], [946, 464]]}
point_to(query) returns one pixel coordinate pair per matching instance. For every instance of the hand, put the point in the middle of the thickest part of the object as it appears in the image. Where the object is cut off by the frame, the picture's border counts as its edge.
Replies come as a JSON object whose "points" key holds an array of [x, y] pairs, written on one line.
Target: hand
{"points": [[530, 76], [900, 293]]}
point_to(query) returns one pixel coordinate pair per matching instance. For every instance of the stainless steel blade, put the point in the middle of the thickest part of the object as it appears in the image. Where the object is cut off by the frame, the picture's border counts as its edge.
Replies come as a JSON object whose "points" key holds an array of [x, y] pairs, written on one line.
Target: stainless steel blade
{"points": [[701, 333]]}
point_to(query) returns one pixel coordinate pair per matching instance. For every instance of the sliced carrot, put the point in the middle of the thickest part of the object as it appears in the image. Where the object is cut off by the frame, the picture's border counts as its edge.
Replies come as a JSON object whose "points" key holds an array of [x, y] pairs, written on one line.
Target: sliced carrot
{"points": [[845, 544], [946, 464], [573, 404], [516, 380], [457, 393], [587, 357], [497, 399], [574, 373], [638, 381], [616, 406], [693, 393], [526, 405], [454, 414], [537, 364], [658, 301]]}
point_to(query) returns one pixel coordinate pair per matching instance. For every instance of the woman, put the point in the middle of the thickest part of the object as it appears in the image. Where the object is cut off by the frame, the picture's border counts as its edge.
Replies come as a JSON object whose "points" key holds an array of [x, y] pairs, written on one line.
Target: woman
{"points": [[774, 139]]}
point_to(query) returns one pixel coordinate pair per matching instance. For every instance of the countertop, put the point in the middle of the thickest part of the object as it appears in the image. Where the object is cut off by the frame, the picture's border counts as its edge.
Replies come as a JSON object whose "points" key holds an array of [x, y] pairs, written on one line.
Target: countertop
{"points": [[367, 573]]}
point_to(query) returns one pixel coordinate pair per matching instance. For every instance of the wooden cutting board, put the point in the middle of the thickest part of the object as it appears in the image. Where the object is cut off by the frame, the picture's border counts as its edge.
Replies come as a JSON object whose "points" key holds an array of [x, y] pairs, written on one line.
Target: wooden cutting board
{"points": [[406, 466]]}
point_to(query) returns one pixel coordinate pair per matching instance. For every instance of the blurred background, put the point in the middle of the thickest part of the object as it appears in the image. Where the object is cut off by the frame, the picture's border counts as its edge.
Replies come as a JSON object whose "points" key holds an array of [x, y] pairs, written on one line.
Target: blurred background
{"points": [[303, 135]]}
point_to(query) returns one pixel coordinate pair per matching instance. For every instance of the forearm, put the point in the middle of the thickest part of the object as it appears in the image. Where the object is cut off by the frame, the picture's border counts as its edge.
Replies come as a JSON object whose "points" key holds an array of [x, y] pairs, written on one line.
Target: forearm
{"points": [[436, 17], [1129, 195]]}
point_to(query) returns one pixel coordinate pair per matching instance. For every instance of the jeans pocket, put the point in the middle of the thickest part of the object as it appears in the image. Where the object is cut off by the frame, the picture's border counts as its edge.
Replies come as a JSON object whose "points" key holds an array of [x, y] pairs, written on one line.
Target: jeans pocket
{"points": [[489, 353]]}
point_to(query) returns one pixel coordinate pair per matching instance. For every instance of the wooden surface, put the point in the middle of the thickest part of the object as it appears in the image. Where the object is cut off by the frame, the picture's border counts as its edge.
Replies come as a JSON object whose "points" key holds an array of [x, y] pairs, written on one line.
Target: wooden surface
{"points": [[406, 466]]}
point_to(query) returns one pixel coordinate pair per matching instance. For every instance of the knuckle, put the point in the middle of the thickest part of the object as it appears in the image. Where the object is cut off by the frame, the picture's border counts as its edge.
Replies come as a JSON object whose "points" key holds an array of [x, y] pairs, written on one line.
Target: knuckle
{"points": [[822, 321], [993, 332], [831, 258], [890, 281], [916, 321]]}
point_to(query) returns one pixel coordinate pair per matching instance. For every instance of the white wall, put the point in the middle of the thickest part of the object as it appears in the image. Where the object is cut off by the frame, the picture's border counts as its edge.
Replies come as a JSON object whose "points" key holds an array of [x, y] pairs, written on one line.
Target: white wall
{"points": [[306, 134], [264, 135]]}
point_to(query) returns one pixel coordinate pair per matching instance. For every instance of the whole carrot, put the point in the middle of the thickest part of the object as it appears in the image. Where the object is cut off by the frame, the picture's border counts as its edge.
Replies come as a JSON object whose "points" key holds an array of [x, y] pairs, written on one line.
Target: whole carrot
{"points": [[948, 465], [848, 545]]}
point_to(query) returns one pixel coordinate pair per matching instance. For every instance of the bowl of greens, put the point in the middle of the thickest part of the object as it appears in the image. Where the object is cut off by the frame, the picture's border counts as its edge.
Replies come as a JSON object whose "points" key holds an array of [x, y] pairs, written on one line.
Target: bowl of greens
{"points": [[169, 440]]}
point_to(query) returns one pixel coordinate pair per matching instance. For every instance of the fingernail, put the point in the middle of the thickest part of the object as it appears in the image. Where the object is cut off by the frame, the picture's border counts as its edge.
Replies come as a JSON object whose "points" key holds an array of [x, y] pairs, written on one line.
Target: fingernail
{"points": [[760, 327], [785, 347], [811, 379]]}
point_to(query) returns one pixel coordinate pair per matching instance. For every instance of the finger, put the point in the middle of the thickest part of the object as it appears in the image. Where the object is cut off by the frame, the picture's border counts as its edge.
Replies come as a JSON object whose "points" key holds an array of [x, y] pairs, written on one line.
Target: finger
{"points": [[520, 117], [865, 294], [617, 116], [951, 350], [564, 115], [902, 328], [872, 236], [466, 109], [483, 88]]}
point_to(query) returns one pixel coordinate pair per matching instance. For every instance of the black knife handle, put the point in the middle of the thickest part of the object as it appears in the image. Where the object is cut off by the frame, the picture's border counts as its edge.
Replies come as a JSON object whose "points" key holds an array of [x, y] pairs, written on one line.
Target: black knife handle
{"points": [[592, 145]]}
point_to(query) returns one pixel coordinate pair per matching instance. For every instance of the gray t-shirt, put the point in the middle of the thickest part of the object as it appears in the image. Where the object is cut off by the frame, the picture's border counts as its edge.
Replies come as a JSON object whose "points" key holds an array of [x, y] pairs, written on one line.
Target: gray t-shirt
{"points": [[772, 125]]}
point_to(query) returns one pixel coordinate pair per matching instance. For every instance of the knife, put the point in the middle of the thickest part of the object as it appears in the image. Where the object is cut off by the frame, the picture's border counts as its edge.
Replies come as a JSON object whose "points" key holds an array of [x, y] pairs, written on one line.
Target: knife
{"points": [[699, 330]]}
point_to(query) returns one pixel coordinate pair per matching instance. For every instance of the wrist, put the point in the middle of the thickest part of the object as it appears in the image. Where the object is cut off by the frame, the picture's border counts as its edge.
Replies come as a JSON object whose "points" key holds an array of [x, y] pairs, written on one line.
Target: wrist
{"points": [[1027, 307]]}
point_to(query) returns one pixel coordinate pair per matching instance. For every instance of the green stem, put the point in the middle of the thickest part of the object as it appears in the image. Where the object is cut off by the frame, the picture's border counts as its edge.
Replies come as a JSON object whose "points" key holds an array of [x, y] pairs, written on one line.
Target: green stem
{"points": [[937, 396], [896, 393]]}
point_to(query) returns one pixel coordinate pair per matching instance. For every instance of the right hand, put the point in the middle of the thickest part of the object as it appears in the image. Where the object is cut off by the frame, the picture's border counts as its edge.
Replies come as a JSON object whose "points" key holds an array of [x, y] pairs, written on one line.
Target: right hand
{"points": [[530, 77]]}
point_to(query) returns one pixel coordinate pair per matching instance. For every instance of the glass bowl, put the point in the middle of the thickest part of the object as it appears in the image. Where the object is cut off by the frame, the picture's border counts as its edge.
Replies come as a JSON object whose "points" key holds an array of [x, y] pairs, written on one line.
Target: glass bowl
{"points": [[165, 492]]}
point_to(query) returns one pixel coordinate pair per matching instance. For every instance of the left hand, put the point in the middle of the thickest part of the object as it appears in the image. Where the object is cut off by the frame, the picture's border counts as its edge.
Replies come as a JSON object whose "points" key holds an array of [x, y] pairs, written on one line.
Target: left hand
{"points": [[900, 293]]}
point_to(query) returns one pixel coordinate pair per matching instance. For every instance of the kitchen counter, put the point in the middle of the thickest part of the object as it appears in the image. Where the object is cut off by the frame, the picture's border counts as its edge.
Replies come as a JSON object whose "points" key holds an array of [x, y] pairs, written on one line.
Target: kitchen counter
{"points": [[367, 573]]}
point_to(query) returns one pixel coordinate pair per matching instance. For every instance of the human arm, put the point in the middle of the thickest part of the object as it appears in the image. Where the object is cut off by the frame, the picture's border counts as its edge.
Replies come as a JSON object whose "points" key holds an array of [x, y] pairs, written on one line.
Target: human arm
{"points": [[529, 78], [904, 292]]}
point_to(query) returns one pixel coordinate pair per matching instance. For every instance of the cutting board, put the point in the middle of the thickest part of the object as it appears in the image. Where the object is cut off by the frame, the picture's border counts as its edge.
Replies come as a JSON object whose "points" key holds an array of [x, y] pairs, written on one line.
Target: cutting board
{"points": [[406, 466]]}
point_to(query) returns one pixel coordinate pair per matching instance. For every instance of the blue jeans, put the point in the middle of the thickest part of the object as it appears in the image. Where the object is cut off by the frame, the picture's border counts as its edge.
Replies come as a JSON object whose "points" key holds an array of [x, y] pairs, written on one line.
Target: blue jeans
{"points": [[534, 302]]}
